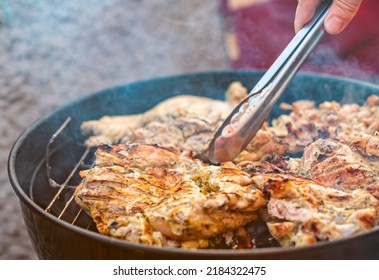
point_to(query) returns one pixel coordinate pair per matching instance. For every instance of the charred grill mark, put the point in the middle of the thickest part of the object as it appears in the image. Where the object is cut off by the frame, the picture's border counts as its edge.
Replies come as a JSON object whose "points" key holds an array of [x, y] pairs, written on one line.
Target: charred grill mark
{"points": [[274, 187], [321, 157], [113, 225], [289, 127], [313, 226], [338, 197], [267, 194], [327, 149], [105, 147]]}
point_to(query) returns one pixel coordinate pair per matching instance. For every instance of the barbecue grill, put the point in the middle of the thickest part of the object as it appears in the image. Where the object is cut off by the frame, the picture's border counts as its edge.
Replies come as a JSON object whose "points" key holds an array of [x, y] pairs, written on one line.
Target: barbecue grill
{"points": [[45, 161]]}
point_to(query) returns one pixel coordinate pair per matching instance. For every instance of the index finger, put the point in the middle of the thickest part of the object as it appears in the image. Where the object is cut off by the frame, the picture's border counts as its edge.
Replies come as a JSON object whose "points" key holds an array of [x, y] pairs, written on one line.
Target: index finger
{"points": [[304, 12]]}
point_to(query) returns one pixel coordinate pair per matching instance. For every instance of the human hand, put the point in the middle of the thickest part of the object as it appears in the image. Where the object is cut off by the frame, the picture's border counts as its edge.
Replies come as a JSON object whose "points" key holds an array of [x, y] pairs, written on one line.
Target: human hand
{"points": [[338, 18]]}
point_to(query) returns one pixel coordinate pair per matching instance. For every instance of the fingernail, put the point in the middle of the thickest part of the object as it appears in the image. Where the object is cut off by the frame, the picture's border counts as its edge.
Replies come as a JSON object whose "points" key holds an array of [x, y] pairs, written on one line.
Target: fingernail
{"points": [[334, 25]]}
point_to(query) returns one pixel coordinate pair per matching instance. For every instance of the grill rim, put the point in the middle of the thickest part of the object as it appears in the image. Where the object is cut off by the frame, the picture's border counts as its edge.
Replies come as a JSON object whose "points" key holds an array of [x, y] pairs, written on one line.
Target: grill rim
{"points": [[256, 252]]}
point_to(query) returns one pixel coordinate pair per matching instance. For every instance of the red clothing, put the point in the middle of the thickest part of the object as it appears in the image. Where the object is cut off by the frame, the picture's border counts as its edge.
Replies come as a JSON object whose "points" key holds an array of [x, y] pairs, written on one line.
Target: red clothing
{"points": [[264, 29]]}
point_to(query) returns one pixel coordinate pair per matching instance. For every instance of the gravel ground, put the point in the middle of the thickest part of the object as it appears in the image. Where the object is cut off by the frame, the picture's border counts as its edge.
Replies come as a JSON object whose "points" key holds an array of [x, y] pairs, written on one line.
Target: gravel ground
{"points": [[52, 52]]}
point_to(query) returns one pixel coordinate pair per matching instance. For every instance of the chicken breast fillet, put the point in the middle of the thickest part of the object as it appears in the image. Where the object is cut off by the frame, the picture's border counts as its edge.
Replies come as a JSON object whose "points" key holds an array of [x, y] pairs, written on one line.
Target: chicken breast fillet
{"points": [[342, 167], [170, 123], [153, 195], [301, 211], [210, 200]]}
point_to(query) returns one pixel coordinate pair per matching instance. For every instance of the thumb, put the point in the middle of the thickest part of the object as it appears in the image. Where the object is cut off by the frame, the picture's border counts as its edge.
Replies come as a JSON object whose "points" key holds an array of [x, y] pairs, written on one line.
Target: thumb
{"points": [[340, 15]]}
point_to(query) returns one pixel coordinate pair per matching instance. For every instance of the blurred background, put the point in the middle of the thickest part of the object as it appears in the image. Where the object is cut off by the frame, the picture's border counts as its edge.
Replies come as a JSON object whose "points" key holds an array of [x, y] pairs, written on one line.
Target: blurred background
{"points": [[52, 52]]}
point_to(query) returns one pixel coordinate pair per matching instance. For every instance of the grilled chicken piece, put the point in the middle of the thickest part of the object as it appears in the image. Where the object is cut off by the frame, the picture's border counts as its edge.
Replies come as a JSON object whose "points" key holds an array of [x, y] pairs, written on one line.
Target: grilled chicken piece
{"points": [[167, 115], [115, 191], [153, 195], [188, 132], [208, 201], [339, 166], [301, 211], [307, 123], [367, 145], [108, 130]]}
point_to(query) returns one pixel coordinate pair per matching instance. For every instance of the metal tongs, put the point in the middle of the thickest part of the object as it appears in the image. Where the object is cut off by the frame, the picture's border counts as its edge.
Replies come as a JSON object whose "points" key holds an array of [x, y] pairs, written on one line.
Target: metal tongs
{"points": [[242, 124]]}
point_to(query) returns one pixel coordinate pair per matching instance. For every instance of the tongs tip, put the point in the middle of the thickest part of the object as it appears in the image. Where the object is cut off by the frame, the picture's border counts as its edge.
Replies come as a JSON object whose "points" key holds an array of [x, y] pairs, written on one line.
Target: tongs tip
{"points": [[226, 146]]}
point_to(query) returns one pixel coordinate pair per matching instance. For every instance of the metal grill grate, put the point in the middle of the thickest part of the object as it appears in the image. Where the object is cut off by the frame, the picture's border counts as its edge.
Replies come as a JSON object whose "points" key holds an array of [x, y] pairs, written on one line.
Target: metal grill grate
{"points": [[62, 203]]}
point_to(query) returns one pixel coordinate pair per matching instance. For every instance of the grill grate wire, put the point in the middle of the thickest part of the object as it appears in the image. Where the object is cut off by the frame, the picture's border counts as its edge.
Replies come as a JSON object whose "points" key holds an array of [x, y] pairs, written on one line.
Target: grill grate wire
{"points": [[58, 197]]}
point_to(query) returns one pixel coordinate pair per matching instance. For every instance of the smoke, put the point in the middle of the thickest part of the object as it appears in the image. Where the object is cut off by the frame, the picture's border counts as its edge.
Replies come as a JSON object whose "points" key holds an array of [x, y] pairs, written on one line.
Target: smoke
{"points": [[327, 59], [262, 31]]}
